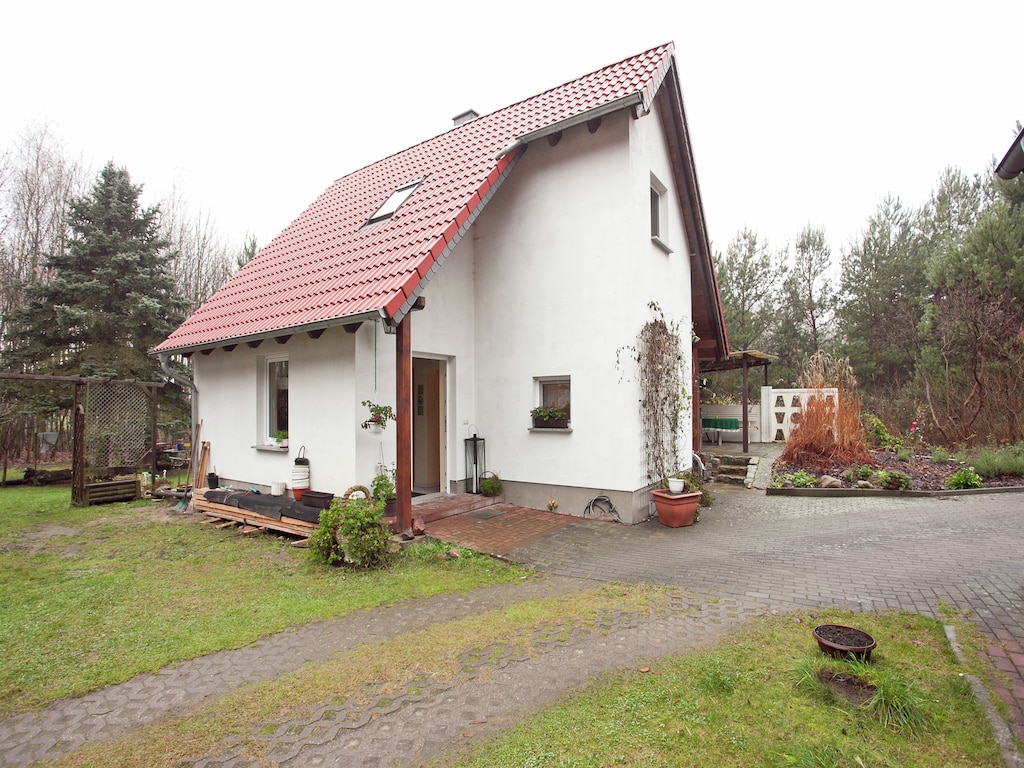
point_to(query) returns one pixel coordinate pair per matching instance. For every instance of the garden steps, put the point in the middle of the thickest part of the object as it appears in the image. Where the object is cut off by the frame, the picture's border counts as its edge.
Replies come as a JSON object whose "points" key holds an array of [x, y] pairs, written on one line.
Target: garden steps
{"points": [[734, 470], [432, 508]]}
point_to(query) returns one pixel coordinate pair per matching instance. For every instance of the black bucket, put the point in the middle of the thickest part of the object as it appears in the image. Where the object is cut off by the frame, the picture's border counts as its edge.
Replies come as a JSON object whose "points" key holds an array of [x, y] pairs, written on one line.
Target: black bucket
{"points": [[212, 481]]}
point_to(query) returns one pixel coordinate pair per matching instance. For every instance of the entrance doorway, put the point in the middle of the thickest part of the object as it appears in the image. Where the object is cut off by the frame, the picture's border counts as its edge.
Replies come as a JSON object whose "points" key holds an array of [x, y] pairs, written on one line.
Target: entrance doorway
{"points": [[429, 410]]}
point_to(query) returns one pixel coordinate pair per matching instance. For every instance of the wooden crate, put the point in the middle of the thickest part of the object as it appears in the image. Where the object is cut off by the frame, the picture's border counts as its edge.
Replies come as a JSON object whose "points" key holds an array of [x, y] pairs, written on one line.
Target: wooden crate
{"points": [[112, 490]]}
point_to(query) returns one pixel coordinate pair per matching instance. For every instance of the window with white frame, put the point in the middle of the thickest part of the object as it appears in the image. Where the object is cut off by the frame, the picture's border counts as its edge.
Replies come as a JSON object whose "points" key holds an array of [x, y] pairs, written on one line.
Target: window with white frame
{"points": [[553, 396], [659, 214], [276, 395], [394, 202]]}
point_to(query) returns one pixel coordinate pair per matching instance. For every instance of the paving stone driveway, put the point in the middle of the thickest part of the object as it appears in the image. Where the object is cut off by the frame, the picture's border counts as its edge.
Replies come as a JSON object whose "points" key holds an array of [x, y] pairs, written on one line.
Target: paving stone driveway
{"points": [[750, 554]]}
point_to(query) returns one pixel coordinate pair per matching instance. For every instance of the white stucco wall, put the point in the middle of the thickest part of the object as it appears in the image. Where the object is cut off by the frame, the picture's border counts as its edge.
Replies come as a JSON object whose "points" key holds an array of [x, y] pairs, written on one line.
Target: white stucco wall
{"points": [[321, 396], [565, 271]]}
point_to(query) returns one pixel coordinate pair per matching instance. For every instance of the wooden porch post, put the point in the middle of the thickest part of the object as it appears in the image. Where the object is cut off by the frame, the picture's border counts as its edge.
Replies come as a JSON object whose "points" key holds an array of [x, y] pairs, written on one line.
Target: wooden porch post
{"points": [[403, 415], [746, 408]]}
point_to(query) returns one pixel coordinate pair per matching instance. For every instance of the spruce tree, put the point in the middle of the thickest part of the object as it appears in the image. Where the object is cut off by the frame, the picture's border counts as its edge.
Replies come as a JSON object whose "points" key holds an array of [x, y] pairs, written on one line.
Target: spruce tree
{"points": [[109, 296]]}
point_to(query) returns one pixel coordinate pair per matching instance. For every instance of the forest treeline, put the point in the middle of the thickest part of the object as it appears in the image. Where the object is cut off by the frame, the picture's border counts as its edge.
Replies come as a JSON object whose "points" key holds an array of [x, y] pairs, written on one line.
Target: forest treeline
{"points": [[91, 280], [927, 304]]}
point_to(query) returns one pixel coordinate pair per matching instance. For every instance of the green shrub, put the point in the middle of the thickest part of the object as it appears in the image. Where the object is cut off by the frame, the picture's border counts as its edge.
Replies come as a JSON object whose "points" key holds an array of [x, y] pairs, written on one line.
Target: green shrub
{"points": [[989, 462], [324, 546], [878, 433], [366, 539], [351, 532], [490, 485], [940, 455], [904, 454], [963, 479], [802, 479], [865, 471], [894, 480]]}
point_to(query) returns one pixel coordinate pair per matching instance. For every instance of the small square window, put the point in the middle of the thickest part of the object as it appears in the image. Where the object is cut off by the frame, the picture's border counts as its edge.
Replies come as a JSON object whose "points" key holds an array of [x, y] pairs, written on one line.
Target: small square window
{"points": [[554, 404]]}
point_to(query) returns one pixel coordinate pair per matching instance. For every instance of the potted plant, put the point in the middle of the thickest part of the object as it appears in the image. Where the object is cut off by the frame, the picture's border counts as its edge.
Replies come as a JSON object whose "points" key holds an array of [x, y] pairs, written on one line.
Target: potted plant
{"points": [[681, 508], [677, 482], [379, 416], [281, 436], [490, 484], [547, 417]]}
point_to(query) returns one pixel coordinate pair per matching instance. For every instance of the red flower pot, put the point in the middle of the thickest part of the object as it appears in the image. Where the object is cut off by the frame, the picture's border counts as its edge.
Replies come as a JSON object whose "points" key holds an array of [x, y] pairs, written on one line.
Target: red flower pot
{"points": [[676, 510]]}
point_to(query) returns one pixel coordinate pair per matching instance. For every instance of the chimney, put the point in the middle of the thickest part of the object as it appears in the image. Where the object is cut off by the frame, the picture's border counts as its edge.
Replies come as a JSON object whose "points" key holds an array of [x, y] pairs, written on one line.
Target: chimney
{"points": [[465, 117]]}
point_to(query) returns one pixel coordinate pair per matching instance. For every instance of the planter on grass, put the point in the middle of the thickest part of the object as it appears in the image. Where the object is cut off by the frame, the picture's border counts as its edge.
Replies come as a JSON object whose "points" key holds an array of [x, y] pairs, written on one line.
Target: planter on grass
{"points": [[676, 510], [841, 642]]}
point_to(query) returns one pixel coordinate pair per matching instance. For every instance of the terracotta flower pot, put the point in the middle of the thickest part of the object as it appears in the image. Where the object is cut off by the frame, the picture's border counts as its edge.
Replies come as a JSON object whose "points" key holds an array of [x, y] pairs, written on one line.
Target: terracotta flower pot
{"points": [[676, 510]]}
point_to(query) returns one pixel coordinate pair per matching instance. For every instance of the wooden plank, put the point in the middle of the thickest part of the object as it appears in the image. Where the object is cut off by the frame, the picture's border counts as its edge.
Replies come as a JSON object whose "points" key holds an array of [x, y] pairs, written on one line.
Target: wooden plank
{"points": [[245, 517], [249, 529], [228, 524]]}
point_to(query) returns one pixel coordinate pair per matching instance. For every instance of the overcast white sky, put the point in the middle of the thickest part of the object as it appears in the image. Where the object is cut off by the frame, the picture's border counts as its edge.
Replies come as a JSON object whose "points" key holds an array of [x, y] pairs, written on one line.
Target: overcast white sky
{"points": [[800, 112]]}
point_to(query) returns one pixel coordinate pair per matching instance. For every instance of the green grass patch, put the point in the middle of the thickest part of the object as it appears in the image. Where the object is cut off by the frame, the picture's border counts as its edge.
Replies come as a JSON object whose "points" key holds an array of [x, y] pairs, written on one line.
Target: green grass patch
{"points": [[749, 702], [992, 462], [94, 596], [392, 667]]}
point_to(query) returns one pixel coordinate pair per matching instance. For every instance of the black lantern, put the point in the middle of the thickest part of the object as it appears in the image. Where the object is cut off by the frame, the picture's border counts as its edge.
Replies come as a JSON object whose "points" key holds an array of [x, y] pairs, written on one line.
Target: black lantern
{"points": [[474, 463]]}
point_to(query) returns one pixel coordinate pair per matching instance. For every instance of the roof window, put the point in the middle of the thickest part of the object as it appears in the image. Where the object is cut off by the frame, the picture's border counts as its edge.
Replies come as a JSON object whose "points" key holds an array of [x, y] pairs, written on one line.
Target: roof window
{"points": [[393, 203]]}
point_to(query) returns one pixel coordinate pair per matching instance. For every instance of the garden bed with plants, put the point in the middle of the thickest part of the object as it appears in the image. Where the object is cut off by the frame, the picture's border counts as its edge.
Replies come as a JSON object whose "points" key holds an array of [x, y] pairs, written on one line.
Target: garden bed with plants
{"points": [[834, 446], [937, 471]]}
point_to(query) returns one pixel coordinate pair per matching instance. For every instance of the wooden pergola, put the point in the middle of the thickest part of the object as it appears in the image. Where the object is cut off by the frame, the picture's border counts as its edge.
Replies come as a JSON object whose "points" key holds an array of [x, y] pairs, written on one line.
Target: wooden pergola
{"points": [[744, 360]]}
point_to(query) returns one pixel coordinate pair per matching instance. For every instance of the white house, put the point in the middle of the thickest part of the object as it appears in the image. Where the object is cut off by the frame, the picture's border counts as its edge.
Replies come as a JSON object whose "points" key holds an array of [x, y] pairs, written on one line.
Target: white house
{"points": [[534, 239]]}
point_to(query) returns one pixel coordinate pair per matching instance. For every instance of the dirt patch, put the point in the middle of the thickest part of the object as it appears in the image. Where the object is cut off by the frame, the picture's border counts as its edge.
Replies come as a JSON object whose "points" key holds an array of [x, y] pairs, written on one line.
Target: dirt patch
{"points": [[850, 687]]}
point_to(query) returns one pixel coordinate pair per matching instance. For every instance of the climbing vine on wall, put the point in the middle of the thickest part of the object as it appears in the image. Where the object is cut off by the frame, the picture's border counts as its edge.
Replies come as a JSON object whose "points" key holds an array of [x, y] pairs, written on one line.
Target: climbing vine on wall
{"points": [[664, 397]]}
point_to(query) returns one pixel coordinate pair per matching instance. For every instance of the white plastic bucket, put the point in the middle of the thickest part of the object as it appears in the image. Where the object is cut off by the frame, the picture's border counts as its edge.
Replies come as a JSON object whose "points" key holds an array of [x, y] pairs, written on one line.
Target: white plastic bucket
{"points": [[277, 489]]}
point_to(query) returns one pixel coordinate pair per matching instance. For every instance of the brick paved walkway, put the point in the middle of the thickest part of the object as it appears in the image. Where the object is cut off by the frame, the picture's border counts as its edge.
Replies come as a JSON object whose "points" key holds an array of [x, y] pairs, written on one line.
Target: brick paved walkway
{"points": [[749, 554], [499, 529]]}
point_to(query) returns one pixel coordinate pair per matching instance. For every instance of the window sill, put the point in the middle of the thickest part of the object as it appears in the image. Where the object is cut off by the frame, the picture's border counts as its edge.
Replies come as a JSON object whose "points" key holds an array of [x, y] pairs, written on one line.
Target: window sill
{"points": [[271, 448], [566, 430], [660, 243]]}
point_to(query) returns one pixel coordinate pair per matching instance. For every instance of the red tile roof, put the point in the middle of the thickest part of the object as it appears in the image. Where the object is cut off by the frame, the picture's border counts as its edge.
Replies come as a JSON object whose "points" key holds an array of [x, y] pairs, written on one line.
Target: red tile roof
{"points": [[327, 266]]}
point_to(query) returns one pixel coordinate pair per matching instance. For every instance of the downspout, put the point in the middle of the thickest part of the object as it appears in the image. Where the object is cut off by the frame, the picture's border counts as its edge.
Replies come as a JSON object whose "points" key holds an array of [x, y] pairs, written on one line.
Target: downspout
{"points": [[179, 379]]}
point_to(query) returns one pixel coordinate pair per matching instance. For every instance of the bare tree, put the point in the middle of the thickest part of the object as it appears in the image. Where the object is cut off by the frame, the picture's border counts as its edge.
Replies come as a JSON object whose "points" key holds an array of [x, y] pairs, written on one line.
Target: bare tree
{"points": [[37, 179], [203, 261]]}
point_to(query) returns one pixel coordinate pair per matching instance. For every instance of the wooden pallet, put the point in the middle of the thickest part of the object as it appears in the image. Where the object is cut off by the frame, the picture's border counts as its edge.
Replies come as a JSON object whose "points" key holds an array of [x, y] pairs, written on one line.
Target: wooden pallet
{"points": [[112, 490], [253, 520]]}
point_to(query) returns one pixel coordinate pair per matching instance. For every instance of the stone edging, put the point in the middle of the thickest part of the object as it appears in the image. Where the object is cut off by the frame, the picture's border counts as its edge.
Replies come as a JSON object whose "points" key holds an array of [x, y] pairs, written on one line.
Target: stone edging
{"points": [[883, 492]]}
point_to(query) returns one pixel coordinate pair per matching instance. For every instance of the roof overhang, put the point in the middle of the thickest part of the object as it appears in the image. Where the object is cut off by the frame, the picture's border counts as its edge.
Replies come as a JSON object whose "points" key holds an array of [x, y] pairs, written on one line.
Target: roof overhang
{"points": [[708, 317], [1012, 163], [744, 358], [257, 338]]}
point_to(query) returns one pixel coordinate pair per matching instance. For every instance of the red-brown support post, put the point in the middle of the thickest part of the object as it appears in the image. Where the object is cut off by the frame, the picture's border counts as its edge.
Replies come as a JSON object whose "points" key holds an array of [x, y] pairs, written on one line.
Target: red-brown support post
{"points": [[746, 408], [403, 416]]}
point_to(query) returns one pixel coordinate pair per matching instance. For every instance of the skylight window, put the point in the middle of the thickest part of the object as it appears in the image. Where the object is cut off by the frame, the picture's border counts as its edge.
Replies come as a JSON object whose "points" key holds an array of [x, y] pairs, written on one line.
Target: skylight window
{"points": [[393, 203]]}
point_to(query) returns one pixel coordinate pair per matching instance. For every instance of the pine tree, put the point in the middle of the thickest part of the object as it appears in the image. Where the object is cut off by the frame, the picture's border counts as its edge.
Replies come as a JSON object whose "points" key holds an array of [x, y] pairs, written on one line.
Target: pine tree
{"points": [[111, 297]]}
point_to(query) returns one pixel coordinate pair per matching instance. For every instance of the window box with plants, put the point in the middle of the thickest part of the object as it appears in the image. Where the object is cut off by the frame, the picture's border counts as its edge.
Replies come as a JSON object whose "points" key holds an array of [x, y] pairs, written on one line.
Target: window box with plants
{"points": [[546, 417]]}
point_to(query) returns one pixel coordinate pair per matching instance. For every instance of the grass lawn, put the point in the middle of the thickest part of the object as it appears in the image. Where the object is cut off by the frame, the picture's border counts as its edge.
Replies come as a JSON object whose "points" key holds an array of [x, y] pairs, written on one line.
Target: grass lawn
{"points": [[94, 596], [757, 701]]}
